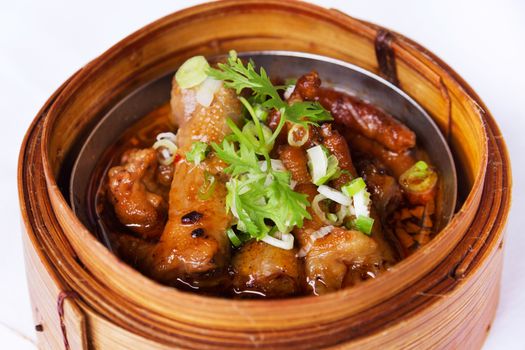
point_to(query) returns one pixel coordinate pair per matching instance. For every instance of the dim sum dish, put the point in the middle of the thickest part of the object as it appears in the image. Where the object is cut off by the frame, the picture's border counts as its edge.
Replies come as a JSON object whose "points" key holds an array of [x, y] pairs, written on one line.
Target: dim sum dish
{"points": [[248, 185], [207, 190]]}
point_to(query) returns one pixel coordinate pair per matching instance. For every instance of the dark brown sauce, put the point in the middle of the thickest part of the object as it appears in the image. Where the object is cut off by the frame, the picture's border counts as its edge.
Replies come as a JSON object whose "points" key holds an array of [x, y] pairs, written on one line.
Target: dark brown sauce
{"points": [[142, 134]]}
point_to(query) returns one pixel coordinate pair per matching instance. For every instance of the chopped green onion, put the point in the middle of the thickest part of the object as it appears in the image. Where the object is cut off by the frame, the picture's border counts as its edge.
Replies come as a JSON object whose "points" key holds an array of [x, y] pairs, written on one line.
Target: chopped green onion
{"points": [[364, 224], [253, 134], [334, 195], [316, 207], [332, 171], [353, 187], [168, 136], [288, 91], [298, 131], [233, 238], [192, 72], [332, 217], [197, 152], [208, 187], [322, 166], [421, 165], [260, 112], [317, 162], [206, 91], [286, 241], [166, 149], [323, 216], [356, 189], [233, 55], [419, 178], [361, 201]]}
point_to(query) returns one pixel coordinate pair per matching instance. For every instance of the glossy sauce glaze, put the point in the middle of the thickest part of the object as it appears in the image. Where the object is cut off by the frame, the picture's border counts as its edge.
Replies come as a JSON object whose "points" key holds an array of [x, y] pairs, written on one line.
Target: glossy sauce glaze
{"points": [[366, 141]]}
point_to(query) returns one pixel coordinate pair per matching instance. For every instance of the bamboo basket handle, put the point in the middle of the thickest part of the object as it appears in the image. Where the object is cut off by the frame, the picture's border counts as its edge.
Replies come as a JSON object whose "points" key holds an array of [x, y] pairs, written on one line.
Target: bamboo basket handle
{"points": [[63, 297], [385, 56]]}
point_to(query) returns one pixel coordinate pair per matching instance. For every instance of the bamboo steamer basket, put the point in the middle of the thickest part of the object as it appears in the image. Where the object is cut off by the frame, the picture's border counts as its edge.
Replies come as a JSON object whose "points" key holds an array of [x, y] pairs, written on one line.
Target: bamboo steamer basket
{"points": [[442, 297]]}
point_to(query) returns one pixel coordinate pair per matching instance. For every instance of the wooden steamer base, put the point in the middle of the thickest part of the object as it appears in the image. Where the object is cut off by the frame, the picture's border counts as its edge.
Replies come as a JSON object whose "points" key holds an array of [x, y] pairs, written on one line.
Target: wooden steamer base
{"points": [[442, 297]]}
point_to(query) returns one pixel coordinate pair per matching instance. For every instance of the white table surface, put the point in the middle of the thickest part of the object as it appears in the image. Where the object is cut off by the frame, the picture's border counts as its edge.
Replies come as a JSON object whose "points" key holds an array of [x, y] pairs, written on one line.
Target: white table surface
{"points": [[43, 42]]}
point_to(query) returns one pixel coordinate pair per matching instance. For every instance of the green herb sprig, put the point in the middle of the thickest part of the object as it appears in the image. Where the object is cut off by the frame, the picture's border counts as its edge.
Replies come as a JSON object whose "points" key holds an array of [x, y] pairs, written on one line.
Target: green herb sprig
{"points": [[260, 197], [238, 76]]}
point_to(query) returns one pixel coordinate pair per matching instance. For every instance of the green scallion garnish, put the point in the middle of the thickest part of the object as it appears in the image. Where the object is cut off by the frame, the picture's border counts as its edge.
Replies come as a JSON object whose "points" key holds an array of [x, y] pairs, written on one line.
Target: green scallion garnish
{"points": [[197, 152], [192, 72], [353, 187], [364, 224], [233, 238]]}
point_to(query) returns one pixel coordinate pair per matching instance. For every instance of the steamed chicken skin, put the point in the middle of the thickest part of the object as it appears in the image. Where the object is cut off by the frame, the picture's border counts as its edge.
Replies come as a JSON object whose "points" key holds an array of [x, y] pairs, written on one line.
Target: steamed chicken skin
{"points": [[334, 258], [200, 123], [341, 252], [330, 258], [139, 201], [384, 189], [261, 268], [193, 240], [397, 163], [367, 120], [338, 146], [245, 218], [354, 114], [295, 161]]}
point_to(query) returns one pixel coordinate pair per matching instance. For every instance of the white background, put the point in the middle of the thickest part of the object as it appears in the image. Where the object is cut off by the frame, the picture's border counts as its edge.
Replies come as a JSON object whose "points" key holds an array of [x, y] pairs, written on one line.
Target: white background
{"points": [[43, 42]]}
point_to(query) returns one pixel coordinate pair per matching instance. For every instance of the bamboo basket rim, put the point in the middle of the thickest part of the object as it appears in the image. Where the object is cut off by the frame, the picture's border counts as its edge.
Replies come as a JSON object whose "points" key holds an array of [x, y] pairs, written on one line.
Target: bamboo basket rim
{"points": [[461, 287], [457, 283], [335, 16]]}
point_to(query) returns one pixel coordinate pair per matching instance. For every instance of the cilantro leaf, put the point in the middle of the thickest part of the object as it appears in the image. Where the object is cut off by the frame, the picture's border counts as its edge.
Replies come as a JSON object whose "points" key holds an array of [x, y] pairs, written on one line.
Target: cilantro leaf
{"points": [[287, 207], [238, 76], [307, 113], [257, 201], [245, 199], [258, 198], [239, 161], [261, 198]]}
